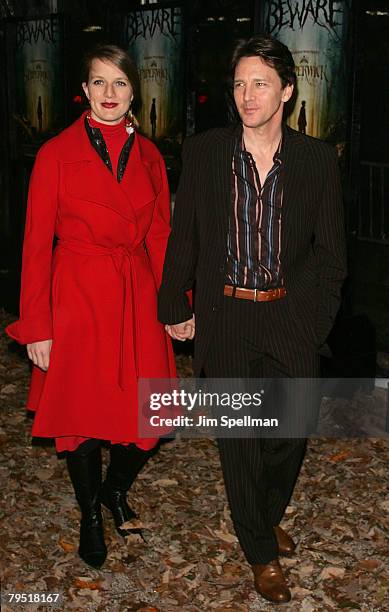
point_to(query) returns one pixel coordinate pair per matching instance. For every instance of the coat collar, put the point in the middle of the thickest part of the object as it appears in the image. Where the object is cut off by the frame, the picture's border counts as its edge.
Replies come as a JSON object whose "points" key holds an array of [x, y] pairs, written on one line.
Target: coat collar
{"points": [[92, 181], [97, 141], [84, 150]]}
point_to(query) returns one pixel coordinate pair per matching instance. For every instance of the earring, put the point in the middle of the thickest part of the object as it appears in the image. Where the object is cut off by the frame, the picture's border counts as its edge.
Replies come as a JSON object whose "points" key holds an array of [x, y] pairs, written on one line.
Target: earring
{"points": [[130, 122]]}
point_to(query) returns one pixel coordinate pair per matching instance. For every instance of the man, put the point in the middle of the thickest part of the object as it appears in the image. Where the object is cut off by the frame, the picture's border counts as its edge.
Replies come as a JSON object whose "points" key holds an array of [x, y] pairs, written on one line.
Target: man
{"points": [[258, 229]]}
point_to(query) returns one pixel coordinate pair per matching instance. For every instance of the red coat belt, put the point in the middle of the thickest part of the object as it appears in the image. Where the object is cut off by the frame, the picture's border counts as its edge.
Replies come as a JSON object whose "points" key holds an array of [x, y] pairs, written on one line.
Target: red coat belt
{"points": [[122, 257]]}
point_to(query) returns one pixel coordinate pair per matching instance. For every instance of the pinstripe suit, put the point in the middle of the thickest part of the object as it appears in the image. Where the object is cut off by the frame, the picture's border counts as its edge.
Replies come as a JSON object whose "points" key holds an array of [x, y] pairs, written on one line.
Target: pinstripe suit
{"points": [[235, 338]]}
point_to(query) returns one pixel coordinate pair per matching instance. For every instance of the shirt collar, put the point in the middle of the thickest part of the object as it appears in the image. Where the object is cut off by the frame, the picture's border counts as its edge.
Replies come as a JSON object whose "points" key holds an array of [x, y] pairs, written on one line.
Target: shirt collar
{"points": [[279, 155]]}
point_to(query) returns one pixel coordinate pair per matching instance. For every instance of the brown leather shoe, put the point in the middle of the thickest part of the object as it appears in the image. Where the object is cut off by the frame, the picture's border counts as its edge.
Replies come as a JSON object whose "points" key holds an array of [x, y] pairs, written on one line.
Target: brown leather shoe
{"points": [[286, 546], [269, 581]]}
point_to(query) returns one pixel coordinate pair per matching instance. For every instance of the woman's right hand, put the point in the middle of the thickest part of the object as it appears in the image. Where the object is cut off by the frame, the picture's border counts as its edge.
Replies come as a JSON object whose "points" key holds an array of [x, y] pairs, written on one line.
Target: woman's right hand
{"points": [[39, 353]]}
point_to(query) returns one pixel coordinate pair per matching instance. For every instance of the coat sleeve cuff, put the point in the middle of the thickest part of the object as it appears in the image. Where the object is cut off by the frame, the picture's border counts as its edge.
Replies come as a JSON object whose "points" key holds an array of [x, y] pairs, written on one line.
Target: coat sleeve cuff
{"points": [[26, 331]]}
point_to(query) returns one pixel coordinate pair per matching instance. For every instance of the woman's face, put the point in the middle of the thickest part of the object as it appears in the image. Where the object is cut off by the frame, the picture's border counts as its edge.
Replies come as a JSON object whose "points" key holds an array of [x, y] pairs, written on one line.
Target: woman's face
{"points": [[109, 92]]}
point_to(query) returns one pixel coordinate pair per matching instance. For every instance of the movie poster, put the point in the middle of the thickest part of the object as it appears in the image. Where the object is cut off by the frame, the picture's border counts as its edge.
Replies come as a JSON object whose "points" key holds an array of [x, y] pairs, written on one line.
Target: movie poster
{"points": [[154, 38], [38, 74], [316, 33]]}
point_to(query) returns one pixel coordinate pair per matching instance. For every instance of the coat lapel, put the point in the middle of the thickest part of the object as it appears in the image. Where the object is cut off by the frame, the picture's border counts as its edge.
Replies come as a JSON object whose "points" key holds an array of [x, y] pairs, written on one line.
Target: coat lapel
{"points": [[142, 180], [87, 178]]}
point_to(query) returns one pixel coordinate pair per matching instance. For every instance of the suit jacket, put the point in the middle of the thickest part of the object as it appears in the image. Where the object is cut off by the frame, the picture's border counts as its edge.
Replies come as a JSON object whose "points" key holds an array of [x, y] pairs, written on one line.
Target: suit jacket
{"points": [[95, 295], [313, 255]]}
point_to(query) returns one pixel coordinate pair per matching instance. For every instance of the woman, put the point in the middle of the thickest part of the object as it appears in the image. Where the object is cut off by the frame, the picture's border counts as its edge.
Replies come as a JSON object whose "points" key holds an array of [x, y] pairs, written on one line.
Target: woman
{"points": [[88, 307]]}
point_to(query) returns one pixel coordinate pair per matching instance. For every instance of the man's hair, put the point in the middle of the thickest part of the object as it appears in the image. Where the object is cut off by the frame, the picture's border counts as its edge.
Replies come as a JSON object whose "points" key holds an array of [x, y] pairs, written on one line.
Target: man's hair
{"points": [[271, 51], [118, 57]]}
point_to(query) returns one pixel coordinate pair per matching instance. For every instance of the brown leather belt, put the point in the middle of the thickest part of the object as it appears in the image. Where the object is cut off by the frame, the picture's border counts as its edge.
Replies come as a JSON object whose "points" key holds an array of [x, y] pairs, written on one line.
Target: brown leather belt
{"points": [[254, 294]]}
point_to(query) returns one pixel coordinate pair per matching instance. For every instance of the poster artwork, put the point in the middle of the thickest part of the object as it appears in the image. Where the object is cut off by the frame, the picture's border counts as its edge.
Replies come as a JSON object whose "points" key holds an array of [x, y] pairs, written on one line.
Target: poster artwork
{"points": [[155, 41], [316, 33], [39, 83]]}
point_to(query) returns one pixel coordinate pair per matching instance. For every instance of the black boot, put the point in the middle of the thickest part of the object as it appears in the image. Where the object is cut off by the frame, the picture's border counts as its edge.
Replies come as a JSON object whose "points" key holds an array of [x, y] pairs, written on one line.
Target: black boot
{"points": [[85, 474], [125, 464]]}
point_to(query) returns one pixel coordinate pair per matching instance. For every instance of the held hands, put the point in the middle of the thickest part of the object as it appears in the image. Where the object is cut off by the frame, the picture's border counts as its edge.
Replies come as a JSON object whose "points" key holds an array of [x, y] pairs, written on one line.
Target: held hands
{"points": [[182, 331], [39, 353]]}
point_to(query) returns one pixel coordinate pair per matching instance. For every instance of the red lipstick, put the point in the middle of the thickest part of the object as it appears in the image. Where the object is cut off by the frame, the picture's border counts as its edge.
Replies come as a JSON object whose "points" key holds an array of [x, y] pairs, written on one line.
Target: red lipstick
{"points": [[109, 104]]}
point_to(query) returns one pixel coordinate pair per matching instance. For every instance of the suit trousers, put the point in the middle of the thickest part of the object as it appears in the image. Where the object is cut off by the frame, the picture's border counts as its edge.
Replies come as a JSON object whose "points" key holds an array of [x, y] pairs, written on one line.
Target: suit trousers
{"points": [[254, 340]]}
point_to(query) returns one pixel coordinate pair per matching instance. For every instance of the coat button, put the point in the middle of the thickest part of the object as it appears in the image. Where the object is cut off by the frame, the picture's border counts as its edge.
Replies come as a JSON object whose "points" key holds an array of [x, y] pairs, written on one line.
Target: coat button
{"points": [[215, 308], [221, 269]]}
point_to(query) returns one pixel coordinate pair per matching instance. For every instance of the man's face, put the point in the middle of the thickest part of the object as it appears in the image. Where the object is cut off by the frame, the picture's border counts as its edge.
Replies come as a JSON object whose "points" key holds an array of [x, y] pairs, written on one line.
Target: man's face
{"points": [[258, 93]]}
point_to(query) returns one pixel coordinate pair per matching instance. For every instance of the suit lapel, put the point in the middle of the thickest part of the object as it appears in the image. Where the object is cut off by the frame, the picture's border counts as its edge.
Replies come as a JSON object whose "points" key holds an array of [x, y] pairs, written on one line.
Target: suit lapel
{"points": [[294, 164], [293, 184], [221, 175]]}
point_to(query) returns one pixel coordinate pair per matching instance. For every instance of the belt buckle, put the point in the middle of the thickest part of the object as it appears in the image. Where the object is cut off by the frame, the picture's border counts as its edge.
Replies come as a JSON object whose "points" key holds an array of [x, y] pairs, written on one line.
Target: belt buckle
{"points": [[255, 295]]}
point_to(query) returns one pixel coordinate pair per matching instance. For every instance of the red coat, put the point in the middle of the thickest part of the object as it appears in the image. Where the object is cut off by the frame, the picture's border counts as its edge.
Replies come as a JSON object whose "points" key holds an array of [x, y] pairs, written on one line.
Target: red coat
{"points": [[96, 294]]}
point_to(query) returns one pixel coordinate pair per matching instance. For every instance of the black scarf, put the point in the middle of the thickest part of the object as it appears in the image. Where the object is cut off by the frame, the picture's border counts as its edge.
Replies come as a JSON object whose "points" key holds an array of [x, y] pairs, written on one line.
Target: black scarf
{"points": [[98, 143]]}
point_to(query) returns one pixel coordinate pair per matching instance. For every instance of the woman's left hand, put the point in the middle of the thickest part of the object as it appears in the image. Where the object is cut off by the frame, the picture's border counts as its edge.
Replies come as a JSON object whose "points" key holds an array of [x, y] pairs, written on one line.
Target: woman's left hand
{"points": [[39, 353]]}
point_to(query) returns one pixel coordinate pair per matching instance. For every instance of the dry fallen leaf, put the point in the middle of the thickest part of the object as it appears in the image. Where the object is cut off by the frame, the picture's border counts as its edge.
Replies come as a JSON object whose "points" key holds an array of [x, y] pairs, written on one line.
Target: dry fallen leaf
{"points": [[340, 456], [230, 538], [289, 562], [87, 583], [165, 482], [338, 514], [7, 389], [332, 572], [369, 564], [137, 524], [305, 570], [176, 559], [134, 538], [166, 576], [44, 473], [66, 546], [185, 570], [307, 606], [299, 592]]}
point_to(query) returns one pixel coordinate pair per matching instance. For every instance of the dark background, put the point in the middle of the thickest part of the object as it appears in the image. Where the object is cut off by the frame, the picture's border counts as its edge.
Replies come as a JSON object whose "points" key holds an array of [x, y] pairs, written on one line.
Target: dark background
{"points": [[212, 27]]}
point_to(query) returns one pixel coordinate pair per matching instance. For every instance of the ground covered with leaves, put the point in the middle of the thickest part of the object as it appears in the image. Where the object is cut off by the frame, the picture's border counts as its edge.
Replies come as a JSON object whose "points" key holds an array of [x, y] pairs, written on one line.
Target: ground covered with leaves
{"points": [[191, 561]]}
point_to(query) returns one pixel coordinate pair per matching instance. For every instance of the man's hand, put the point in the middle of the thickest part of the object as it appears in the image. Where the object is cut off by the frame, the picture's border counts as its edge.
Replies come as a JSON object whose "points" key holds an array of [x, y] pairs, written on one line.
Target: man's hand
{"points": [[182, 331], [39, 353]]}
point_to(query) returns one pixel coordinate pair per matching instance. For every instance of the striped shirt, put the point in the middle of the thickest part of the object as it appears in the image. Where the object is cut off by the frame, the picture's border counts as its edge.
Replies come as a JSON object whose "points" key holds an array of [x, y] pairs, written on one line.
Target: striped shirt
{"points": [[254, 236]]}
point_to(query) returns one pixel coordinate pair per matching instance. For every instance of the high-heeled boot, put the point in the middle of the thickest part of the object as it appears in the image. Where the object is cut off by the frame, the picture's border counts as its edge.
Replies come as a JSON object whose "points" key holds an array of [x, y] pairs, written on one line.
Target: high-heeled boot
{"points": [[125, 464], [85, 474]]}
